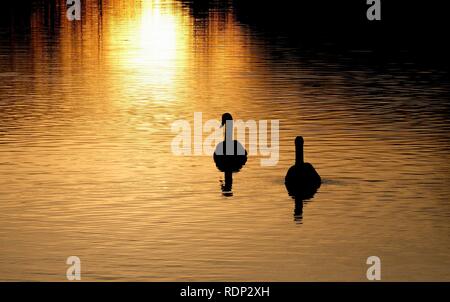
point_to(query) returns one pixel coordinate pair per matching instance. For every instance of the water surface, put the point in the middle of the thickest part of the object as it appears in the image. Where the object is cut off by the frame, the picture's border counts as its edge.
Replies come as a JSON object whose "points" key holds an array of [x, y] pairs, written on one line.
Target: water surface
{"points": [[86, 166]]}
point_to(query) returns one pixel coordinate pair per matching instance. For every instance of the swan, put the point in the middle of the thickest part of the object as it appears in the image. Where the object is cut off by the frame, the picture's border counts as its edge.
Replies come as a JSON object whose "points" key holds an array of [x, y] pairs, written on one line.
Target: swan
{"points": [[229, 155], [302, 180]]}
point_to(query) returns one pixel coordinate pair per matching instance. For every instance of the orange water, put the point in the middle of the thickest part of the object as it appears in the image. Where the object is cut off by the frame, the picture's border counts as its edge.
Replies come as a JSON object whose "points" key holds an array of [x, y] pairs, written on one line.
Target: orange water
{"points": [[86, 166]]}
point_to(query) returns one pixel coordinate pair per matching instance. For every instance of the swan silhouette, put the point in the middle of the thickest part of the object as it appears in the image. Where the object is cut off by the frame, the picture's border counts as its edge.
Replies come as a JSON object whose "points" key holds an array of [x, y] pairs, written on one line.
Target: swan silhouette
{"points": [[230, 156], [302, 180]]}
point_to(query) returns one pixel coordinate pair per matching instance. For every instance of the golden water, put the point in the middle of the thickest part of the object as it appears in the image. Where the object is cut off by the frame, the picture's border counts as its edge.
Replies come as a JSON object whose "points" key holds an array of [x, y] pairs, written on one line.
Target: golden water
{"points": [[86, 167]]}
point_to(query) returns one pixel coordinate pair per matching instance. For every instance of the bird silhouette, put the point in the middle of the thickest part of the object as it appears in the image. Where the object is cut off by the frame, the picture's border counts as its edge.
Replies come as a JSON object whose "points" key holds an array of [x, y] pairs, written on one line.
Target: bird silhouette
{"points": [[302, 181], [229, 156]]}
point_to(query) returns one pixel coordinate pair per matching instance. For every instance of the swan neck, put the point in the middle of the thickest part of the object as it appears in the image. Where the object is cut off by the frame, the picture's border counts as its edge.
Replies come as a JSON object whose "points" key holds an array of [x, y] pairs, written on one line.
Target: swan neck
{"points": [[299, 154], [229, 131]]}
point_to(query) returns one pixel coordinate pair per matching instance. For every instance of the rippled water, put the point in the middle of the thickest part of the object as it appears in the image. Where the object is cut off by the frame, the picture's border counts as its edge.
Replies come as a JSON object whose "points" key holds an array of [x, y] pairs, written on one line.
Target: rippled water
{"points": [[86, 165]]}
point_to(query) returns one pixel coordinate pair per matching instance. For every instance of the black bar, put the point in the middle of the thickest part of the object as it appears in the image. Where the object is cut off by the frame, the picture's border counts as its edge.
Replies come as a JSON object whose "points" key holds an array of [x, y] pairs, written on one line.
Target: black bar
{"points": [[271, 290]]}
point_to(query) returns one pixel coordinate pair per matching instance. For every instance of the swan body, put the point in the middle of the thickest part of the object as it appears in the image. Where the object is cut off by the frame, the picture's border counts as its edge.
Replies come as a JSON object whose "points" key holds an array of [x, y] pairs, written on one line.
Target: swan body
{"points": [[233, 162]]}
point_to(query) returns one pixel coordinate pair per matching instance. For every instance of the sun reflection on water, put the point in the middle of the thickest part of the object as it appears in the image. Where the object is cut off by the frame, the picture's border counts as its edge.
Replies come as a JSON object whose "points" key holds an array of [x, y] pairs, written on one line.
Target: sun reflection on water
{"points": [[151, 49]]}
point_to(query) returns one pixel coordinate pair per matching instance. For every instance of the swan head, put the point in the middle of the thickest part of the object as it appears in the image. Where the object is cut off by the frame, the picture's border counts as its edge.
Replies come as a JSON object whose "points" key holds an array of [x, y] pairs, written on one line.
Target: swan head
{"points": [[226, 117]]}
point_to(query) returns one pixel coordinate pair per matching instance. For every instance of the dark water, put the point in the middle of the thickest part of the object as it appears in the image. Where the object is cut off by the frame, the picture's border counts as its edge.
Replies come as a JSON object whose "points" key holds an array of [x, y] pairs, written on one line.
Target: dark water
{"points": [[86, 165]]}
